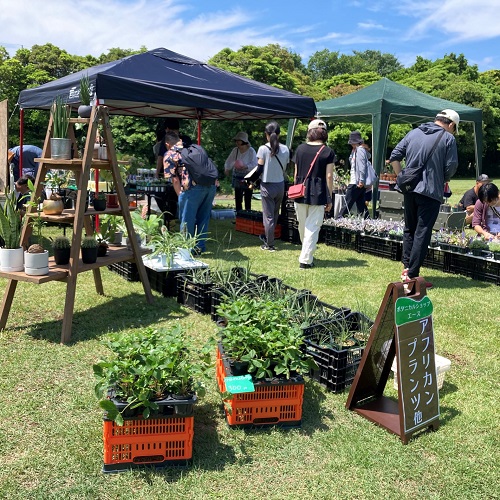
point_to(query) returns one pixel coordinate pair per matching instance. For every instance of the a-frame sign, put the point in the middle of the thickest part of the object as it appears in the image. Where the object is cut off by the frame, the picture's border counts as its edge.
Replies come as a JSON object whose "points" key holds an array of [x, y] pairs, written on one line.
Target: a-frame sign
{"points": [[402, 329]]}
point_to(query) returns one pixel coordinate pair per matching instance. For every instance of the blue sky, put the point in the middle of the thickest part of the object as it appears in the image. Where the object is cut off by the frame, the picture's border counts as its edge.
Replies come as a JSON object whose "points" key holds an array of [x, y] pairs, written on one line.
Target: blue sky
{"points": [[201, 28]]}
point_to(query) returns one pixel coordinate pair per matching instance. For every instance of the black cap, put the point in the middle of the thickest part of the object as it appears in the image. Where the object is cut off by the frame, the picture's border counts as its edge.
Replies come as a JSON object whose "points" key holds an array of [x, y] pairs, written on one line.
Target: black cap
{"points": [[483, 178]]}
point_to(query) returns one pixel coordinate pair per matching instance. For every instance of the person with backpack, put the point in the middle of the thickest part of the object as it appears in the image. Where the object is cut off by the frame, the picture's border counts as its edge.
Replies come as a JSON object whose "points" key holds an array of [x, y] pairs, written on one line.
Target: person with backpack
{"points": [[272, 159], [194, 177]]}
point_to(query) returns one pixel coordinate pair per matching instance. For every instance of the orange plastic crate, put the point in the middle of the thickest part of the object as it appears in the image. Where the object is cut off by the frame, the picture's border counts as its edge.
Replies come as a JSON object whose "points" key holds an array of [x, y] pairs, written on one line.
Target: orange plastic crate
{"points": [[271, 404], [157, 442], [244, 225], [258, 228]]}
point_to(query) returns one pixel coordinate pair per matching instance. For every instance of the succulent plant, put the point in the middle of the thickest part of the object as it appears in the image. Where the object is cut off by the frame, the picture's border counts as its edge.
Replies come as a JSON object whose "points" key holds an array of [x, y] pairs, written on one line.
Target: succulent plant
{"points": [[61, 242], [89, 242]]}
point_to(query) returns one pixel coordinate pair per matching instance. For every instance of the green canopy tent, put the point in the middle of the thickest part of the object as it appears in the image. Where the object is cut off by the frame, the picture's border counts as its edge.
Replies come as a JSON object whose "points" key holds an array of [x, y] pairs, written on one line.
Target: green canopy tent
{"points": [[386, 102]]}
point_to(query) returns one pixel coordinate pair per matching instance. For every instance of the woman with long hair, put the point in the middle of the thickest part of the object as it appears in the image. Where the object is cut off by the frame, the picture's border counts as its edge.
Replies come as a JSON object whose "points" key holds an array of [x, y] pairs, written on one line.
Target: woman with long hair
{"points": [[313, 165], [273, 159]]}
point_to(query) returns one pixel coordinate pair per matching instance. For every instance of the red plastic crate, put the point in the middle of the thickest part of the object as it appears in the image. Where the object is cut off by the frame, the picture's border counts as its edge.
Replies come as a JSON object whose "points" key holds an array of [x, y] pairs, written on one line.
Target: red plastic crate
{"points": [[271, 404], [258, 228], [244, 225], [157, 442]]}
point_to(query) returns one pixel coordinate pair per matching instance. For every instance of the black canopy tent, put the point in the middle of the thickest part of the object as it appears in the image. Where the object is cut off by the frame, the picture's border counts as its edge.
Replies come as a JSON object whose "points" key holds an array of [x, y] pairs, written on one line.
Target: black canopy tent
{"points": [[386, 102], [160, 83]]}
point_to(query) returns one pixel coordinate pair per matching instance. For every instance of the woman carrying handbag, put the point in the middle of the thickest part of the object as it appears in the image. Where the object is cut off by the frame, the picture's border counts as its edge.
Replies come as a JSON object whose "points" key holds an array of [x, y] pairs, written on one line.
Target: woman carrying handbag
{"points": [[314, 168]]}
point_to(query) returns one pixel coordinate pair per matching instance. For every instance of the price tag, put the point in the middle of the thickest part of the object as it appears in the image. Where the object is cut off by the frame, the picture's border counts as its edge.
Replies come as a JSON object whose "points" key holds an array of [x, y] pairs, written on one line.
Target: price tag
{"points": [[237, 385]]}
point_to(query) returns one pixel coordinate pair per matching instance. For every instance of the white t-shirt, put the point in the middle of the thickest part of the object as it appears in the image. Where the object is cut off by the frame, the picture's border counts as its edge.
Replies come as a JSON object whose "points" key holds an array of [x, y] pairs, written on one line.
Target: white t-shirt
{"points": [[272, 168]]}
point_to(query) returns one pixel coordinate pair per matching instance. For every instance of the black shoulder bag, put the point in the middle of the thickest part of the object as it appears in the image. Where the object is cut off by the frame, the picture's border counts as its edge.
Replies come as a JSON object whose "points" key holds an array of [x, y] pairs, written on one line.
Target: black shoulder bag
{"points": [[408, 179]]}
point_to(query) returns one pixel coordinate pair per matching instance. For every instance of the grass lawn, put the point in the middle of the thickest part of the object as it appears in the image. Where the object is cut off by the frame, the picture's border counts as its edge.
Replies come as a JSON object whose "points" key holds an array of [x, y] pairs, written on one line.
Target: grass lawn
{"points": [[51, 425]]}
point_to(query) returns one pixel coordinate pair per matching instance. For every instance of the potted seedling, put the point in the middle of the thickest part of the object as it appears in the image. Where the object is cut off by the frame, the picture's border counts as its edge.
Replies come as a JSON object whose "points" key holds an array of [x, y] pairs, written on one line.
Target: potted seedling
{"points": [[111, 229], [151, 372], [62, 250], [89, 249], [85, 109], [477, 246], [11, 253], [164, 245], [60, 145], [99, 202], [494, 247]]}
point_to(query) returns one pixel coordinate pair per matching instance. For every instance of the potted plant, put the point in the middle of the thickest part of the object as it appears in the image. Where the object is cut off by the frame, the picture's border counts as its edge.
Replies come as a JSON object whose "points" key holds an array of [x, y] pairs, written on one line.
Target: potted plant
{"points": [[89, 250], [85, 109], [164, 244], [147, 227], [477, 245], [36, 258], [111, 229], [99, 202], [11, 253], [494, 247], [62, 250], [261, 334], [151, 372], [60, 145]]}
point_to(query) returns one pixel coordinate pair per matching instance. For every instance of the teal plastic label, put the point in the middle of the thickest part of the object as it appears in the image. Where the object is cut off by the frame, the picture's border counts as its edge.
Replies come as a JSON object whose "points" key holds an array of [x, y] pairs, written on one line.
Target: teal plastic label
{"points": [[408, 310], [237, 385]]}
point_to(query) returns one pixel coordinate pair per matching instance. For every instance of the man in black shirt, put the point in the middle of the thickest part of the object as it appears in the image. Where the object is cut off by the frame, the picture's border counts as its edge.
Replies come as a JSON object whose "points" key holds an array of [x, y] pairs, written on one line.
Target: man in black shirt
{"points": [[470, 197]]}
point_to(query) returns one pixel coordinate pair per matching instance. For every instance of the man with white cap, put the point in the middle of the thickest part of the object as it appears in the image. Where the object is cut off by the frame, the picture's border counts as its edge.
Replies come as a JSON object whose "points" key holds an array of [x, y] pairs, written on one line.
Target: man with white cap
{"points": [[432, 145]]}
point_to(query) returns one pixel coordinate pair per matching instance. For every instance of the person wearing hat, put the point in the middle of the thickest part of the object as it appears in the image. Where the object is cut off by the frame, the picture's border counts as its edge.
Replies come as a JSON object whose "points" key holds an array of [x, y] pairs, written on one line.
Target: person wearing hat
{"points": [[359, 159], [310, 209], [470, 197], [30, 167], [432, 145], [240, 161]]}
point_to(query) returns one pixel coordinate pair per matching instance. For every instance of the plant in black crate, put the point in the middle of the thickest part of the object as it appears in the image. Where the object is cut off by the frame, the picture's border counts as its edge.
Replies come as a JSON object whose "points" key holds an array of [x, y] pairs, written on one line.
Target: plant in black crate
{"points": [[151, 372], [494, 247], [261, 334], [477, 246]]}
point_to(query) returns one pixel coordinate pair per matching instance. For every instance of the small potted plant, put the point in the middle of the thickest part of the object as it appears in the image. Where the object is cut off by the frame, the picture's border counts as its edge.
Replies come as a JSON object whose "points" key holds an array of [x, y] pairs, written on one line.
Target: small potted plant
{"points": [[89, 249], [99, 202], [85, 109], [60, 145], [102, 245], [36, 258], [111, 229], [494, 247], [164, 245], [151, 372], [11, 252], [477, 246], [62, 250]]}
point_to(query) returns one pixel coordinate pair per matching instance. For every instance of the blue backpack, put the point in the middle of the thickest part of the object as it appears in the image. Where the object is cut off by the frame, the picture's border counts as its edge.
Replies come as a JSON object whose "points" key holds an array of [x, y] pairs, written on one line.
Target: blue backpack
{"points": [[201, 168]]}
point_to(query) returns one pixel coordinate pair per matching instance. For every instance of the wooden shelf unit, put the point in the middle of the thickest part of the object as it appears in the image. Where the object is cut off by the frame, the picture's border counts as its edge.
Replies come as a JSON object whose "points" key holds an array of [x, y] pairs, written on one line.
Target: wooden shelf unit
{"points": [[80, 219]]}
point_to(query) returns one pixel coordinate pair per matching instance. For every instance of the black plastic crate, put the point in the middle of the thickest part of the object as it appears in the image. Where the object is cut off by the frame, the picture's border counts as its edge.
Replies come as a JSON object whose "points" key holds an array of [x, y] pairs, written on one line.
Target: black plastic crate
{"points": [[380, 247], [336, 367], [164, 282], [127, 270], [196, 296], [434, 259]]}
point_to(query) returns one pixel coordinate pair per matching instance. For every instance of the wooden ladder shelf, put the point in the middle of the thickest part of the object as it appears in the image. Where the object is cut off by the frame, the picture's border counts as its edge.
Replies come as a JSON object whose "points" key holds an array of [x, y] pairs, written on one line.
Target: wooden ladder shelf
{"points": [[80, 219]]}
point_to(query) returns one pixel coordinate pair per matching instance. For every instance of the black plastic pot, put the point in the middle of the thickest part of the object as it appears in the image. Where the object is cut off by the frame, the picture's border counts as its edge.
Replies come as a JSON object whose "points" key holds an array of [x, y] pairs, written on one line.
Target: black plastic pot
{"points": [[99, 205], [61, 256], [89, 255]]}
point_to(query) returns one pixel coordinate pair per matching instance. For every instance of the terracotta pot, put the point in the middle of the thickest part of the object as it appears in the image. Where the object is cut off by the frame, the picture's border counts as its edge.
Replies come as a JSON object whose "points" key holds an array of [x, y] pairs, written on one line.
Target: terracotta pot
{"points": [[112, 200], [53, 207]]}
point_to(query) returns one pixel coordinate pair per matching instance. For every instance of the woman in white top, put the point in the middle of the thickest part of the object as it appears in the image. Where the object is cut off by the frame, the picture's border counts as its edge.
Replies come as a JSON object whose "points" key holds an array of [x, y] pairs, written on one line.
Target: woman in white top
{"points": [[241, 160], [273, 158]]}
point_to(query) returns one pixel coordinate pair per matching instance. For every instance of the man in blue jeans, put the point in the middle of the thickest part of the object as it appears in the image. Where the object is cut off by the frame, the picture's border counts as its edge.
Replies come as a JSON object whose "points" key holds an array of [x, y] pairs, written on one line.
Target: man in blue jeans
{"points": [[195, 200], [433, 146]]}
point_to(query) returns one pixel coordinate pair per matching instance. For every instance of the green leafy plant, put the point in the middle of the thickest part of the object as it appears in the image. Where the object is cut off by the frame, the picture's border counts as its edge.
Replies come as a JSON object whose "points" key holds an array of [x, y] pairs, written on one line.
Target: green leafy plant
{"points": [[60, 116], [147, 227], [148, 365], [478, 244], [10, 220], [494, 246], [85, 90], [261, 333]]}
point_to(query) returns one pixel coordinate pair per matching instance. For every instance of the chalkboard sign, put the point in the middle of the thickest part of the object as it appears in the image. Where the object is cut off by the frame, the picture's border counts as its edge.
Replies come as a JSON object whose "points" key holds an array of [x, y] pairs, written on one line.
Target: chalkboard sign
{"points": [[396, 326]]}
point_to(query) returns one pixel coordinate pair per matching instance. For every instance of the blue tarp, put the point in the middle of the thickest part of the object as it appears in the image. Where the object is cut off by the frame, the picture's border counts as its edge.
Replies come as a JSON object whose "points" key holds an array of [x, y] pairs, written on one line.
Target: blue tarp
{"points": [[163, 83]]}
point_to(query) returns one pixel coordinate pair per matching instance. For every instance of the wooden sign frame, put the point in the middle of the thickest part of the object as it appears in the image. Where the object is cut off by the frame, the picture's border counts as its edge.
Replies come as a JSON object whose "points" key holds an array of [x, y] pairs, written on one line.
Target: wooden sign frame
{"points": [[366, 396]]}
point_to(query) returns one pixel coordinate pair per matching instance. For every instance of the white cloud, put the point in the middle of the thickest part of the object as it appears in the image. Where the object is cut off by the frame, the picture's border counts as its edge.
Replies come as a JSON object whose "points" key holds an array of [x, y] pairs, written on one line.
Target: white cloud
{"points": [[372, 25], [462, 19]]}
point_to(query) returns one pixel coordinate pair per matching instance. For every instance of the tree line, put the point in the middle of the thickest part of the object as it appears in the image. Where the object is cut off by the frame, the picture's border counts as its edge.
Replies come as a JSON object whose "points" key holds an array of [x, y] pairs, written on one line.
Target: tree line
{"points": [[326, 75]]}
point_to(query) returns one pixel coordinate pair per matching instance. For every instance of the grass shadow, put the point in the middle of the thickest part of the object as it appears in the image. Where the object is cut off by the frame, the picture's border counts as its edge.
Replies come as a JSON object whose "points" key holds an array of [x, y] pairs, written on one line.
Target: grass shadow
{"points": [[119, 313]]}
